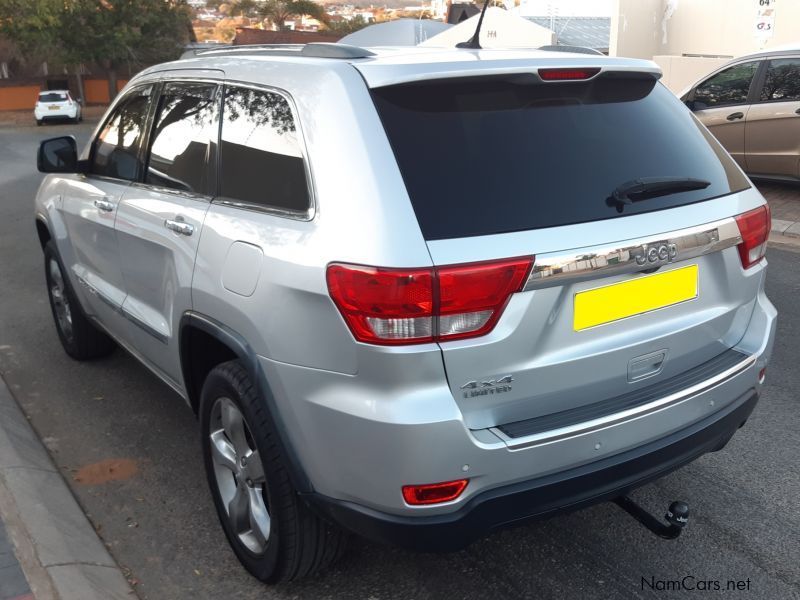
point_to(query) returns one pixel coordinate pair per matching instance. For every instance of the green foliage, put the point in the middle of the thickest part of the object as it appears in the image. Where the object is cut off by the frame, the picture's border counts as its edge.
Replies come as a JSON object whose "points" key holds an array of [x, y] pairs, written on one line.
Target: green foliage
{"points": [[110, 32], [32, 25], [280, 11]]}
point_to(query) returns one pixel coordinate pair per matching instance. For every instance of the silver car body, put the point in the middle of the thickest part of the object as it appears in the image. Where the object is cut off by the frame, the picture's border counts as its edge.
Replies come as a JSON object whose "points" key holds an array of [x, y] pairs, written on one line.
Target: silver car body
{"points": [[364, 419]]}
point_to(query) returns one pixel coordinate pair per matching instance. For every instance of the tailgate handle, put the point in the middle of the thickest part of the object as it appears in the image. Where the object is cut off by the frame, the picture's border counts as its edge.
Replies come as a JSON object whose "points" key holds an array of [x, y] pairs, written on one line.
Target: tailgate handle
{"points": [[645, 366]]}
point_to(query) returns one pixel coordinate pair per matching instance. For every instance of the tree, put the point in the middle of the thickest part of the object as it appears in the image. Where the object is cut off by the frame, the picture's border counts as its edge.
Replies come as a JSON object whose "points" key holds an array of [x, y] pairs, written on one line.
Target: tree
{"points": [[280, 11], [118, 32], [112, 33]]}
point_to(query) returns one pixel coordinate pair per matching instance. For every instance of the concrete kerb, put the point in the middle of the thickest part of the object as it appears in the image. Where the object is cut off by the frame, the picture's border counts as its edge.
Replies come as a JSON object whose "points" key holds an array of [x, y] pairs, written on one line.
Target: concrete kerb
{"points": [[56, 545]]}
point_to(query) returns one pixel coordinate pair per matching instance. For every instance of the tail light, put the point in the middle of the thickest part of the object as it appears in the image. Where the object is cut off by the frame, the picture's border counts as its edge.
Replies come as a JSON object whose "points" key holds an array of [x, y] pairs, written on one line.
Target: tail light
{"points": [[754, 227], [434, 493], [412, 306], [567, 74]]}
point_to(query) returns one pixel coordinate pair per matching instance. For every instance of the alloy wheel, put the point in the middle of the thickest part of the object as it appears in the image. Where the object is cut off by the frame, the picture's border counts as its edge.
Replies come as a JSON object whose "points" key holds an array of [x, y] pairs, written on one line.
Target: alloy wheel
{"points": [[239, 474]]}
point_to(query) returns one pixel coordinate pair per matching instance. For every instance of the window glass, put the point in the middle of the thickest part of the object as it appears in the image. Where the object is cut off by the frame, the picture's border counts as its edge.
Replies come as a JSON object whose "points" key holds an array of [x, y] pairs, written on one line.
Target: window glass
{"points": [[116, 149], [261, 157], [727, 87], [184, 138], [52, 97], [783, 81], [486, 155]]}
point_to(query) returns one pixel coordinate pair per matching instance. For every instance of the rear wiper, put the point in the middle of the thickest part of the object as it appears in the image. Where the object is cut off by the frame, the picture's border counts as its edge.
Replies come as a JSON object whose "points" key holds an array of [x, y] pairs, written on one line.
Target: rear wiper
{"points": [[652, 187]]}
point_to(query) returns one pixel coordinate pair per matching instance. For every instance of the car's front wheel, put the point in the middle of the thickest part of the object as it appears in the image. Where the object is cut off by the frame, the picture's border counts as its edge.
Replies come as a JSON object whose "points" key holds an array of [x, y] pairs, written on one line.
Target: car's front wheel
{"points": [[273, 533], [79, 336]]}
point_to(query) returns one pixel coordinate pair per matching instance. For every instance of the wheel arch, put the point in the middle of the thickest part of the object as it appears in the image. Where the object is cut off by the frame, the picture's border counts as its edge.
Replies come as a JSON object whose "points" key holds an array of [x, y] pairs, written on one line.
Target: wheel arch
{"points": [[206, 343], [42, 231]]}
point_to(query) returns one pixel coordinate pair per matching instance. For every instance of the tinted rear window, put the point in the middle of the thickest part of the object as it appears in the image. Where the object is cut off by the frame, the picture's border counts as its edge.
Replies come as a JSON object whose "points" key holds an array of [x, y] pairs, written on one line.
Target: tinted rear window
{"points": [[52, 97], [498, 154]]}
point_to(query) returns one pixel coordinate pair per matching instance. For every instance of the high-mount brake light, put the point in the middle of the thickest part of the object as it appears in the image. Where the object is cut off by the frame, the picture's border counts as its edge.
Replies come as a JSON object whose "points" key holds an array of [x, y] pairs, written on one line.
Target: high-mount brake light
{"points": [[414, 306], [434, 493], [567, 74], [754, 227]]}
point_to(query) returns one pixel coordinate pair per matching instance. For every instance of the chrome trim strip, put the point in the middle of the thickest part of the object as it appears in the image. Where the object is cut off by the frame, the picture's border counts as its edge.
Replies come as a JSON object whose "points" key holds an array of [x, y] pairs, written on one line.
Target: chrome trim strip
{"points": [[117, 308], [561, 433], [556, 268]]}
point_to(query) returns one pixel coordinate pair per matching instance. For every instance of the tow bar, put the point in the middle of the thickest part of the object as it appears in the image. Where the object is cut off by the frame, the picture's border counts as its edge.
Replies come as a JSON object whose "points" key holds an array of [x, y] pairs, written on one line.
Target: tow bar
{"points": [[677, 516]]}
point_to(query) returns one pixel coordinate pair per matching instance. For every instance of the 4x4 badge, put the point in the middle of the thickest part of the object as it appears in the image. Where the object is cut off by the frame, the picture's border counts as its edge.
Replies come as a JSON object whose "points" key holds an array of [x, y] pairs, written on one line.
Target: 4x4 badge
{"points": [[485, 387]]}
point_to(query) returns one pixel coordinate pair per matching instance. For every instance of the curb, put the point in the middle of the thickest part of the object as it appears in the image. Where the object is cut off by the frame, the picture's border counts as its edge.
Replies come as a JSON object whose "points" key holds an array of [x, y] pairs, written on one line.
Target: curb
{"points": [[58, 549]]}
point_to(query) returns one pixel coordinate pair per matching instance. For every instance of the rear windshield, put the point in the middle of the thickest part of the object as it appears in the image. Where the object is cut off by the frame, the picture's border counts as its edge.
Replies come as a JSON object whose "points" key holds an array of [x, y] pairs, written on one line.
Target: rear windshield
{"points": [[485, 155], [52, 97]]}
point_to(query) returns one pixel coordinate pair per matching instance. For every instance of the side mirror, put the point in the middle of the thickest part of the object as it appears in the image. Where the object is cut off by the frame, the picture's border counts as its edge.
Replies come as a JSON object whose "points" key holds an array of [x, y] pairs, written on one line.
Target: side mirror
{"points": [[58, 155], [80, 101]]}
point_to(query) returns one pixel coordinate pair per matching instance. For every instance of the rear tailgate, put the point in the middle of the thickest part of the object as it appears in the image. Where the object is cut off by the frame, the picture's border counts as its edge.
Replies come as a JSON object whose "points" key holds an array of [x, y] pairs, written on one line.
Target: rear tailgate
{"points": [[509, 165]]}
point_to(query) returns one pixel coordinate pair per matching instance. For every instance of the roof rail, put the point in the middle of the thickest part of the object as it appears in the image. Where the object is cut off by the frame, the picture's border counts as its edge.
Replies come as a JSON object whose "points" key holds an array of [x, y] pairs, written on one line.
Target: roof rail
{"points": [[311, 50], [571, 49]]}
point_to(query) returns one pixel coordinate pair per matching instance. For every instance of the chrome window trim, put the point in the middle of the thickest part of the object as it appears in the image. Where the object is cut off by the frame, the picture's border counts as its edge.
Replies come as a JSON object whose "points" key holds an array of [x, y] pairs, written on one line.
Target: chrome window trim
{"points": [[545, 437], [306, 215], [121, 97], [557, 268]]}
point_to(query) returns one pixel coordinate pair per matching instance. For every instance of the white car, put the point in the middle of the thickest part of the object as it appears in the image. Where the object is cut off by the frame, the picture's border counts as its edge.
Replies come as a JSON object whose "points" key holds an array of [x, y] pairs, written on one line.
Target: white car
{"points": [[57, 104]]}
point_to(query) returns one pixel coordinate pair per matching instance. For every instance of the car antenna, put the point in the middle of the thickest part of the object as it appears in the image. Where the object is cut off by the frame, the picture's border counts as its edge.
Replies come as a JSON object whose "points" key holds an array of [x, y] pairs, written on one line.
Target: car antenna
{"points": [[474, 42]]}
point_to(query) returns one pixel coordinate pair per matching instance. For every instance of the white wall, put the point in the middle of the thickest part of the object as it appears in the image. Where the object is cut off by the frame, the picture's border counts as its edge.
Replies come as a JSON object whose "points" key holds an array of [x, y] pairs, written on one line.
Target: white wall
{"points": [[646, 28]]}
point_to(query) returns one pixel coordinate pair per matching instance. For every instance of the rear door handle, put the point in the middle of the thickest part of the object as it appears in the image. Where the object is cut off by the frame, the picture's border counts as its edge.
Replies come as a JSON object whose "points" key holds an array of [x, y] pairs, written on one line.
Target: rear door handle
{"points": [[104, 204], [179, 226], [734, 116]]}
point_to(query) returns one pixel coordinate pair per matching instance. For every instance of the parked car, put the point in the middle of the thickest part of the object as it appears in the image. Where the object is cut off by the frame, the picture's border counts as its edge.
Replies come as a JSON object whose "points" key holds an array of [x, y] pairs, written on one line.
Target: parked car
{"points": [[55, 105], [752, 106], [412, 294]]}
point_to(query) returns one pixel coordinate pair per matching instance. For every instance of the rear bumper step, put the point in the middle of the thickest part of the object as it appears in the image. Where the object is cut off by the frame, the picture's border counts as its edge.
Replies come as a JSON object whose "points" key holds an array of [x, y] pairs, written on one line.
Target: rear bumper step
{"points": [[583, 419]]}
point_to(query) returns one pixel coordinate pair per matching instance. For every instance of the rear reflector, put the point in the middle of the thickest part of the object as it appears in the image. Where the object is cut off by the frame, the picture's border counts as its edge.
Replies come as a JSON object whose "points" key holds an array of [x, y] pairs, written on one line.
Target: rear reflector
{"points": [[413, 306], [567, 74], [754, 227], [434, 493]]}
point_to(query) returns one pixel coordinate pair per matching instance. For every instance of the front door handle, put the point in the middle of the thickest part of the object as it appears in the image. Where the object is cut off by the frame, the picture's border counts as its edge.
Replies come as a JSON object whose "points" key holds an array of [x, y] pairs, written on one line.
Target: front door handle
{"points": [[179, 226], [734, 116], [104, 204]]}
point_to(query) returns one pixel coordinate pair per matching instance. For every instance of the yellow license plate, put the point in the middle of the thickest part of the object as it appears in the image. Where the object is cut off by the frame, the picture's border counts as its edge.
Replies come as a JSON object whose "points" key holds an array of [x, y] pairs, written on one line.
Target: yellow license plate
{"points": [[54, 107], [629, 298]]}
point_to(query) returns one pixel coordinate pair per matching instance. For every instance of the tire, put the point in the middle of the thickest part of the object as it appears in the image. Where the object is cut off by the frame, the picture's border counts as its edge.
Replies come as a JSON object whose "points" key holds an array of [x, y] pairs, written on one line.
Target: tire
{"points": [[79, 336], [292, 542]]}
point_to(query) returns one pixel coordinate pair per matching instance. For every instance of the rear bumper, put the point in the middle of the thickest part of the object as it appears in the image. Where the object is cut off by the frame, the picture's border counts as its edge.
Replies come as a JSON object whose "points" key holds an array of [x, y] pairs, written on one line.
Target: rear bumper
{"points": [[545, 496]]}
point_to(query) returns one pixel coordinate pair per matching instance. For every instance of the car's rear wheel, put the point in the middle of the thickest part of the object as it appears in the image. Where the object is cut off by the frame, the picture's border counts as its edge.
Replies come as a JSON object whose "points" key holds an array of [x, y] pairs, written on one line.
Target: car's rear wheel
{"points": [[79, 336], [271, 530]]}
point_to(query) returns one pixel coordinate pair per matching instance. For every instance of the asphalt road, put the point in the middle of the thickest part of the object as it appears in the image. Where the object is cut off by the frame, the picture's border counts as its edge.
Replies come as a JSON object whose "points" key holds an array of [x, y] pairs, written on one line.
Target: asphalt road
{"points": [[159, 522]]}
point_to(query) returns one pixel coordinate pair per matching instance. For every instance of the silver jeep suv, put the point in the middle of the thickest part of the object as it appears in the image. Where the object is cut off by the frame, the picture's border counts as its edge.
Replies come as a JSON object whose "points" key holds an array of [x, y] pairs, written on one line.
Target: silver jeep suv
{"points": [[414, 294]]}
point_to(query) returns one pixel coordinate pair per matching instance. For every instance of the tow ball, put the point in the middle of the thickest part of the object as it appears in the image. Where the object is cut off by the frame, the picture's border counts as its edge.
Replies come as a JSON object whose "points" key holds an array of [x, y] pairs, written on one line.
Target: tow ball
{"points": [[677, 516]]}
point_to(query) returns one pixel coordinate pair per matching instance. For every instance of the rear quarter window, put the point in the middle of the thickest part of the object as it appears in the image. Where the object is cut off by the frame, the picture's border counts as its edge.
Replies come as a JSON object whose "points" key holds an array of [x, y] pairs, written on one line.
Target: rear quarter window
{"points": [[488, 155]]}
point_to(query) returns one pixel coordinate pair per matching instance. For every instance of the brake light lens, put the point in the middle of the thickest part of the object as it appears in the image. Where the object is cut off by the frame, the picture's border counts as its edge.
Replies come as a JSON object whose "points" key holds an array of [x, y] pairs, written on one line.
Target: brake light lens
{"points": [[413, 306], [567, 74], [754, 227], [434, 493]]}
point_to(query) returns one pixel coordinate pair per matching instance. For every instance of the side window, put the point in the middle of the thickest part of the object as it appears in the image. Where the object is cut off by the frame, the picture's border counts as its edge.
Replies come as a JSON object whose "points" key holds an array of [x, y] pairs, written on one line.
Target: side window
{"points": [[116, 148], [782, 83], [261, 157], [727, 87], [183, 143]]}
